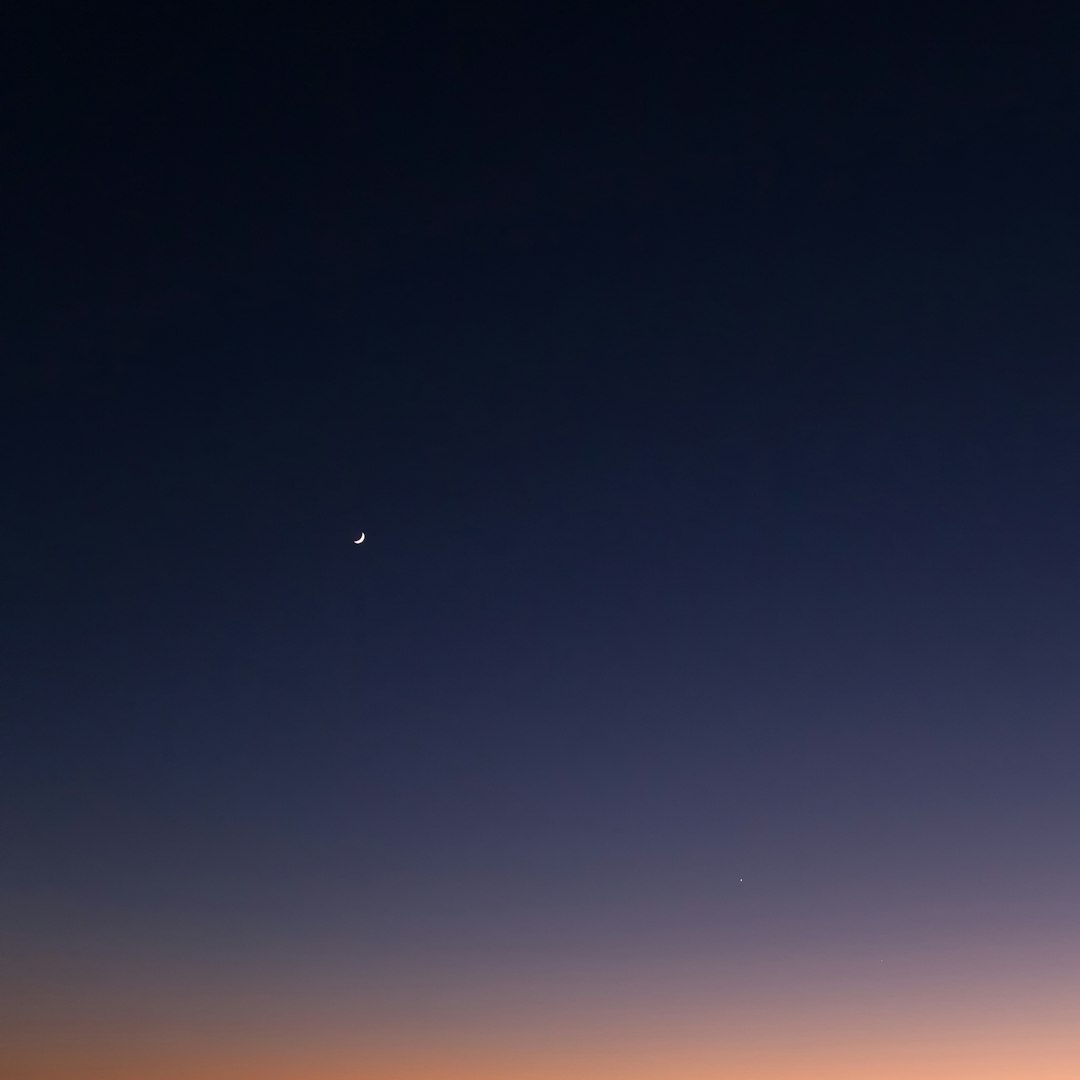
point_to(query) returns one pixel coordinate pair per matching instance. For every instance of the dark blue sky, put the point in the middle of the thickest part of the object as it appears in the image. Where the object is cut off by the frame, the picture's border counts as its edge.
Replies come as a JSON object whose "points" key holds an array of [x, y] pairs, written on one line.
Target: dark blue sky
{"points": [[708, 393]]}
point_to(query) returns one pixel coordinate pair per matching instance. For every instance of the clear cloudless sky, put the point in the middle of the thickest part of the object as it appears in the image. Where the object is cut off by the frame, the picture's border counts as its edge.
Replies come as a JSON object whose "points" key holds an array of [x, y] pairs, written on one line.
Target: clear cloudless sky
{"points": [[703, 701]]}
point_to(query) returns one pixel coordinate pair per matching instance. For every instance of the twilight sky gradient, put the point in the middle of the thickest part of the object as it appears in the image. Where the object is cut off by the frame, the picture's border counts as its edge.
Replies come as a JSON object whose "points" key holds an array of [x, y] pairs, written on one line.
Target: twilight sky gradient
{"points": [[704, 700]]}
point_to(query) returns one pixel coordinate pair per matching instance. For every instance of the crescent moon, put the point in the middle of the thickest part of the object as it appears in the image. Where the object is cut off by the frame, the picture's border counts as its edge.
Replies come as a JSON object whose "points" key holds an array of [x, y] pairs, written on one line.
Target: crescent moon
{"points": [[360, 541]]}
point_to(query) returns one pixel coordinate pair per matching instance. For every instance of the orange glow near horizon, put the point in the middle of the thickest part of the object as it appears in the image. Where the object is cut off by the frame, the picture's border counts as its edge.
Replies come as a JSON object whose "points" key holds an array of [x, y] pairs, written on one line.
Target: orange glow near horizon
{"points": [[997, 1022], [943, 1055]]}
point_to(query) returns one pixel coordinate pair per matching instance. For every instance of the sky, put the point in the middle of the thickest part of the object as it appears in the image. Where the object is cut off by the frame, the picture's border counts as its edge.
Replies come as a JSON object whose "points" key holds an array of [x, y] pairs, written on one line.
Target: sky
{"points": [[703, 700]]}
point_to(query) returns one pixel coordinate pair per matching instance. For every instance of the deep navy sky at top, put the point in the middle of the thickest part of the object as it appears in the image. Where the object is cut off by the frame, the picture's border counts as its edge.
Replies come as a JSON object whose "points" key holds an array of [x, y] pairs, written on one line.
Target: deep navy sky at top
{"points": [[707, 389]]}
